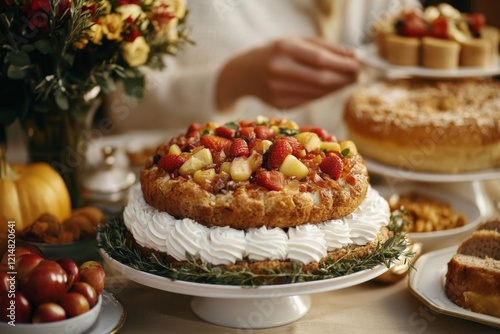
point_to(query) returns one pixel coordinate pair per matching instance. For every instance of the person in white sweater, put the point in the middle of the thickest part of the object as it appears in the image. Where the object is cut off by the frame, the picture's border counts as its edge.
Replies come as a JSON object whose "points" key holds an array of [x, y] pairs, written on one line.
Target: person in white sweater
{"points": [[289, 58]]}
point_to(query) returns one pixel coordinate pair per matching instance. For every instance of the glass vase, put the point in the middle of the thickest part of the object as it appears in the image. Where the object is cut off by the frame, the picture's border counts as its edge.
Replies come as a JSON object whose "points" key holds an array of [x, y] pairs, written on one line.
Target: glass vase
{"points": [[61, 138]]}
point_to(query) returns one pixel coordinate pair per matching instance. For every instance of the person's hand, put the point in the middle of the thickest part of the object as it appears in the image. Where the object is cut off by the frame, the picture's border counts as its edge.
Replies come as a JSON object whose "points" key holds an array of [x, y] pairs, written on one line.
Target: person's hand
{"points": [[287, 73]]}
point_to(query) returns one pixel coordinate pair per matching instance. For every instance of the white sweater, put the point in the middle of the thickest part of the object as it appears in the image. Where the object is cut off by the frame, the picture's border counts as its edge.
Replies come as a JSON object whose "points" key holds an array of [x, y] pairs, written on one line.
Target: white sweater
{"points": [[185, 91]]}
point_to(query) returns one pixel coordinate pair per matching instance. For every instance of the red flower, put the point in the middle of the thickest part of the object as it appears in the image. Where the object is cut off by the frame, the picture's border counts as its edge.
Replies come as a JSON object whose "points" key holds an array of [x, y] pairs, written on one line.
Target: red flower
{"points": [[42, 5], [128, 2], [134, 33], [5, 3], [161, 16], [91, 8]]}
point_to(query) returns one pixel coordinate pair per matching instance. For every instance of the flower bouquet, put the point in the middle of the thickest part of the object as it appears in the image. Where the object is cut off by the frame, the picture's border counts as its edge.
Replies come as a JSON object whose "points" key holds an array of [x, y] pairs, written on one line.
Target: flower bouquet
{"points": [[58, 56]]}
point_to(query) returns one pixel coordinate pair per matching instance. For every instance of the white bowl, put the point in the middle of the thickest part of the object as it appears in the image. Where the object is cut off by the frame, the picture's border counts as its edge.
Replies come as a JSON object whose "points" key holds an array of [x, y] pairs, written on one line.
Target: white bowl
{"points": [[76, 325], [439, 239]]}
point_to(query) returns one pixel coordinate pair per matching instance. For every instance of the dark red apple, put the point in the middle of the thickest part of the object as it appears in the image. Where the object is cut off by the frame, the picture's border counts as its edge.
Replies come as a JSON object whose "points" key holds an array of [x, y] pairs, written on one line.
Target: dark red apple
{"points": [[74, 304], [9, 259], [93, 273], [25, 265], [48, 312], [29, 248], [46, 283], [6, 281], [71, 269], [87, 291], [14, 307]]}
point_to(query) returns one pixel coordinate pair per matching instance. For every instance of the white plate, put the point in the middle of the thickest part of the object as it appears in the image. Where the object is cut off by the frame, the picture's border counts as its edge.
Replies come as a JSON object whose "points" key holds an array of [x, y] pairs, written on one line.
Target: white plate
{"points": [[231, 291], [111, 318], [399, 173], [368, 56], [439, 239], [231, 306], [427, 284]]}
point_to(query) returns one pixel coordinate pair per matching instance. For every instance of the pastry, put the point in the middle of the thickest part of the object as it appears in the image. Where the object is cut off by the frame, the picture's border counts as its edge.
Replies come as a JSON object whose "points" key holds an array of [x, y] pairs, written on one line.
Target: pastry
{"points": [[446, 126], [440, 53]]}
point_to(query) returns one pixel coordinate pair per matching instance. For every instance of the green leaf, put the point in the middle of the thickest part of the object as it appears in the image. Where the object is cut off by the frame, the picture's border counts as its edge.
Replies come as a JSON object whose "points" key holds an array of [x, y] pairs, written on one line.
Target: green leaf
{"points": [[18, 58], [5, 20], [44, 46], [28, 48], [233, 125], [345, 152], [61, 100], [106, 83], [15, 72], [134, 87], [70, 58], [7, 116], [288, 132]]}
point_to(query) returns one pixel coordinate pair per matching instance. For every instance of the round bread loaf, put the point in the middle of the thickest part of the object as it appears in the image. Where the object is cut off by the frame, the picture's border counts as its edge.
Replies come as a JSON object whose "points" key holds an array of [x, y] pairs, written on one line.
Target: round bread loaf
{"points": [[427, 125]]}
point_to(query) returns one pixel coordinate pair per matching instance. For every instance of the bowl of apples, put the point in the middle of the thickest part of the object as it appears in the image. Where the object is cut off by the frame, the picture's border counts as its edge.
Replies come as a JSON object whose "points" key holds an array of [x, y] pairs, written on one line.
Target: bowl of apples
{"points": [[38, 295]]}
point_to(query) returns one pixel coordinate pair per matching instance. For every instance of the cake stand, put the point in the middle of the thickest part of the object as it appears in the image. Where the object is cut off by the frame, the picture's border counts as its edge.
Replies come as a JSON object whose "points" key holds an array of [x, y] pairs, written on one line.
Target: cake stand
{"points": [[246, 307]]}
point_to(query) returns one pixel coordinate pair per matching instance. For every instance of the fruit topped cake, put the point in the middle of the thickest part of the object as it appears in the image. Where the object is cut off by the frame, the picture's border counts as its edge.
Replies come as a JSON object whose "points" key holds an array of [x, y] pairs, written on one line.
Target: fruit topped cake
{"points": [[261, 197]]}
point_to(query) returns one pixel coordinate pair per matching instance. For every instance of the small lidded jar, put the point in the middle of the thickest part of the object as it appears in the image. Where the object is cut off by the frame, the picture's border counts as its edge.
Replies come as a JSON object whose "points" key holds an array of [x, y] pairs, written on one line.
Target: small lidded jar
{"points": [[107, 185]]}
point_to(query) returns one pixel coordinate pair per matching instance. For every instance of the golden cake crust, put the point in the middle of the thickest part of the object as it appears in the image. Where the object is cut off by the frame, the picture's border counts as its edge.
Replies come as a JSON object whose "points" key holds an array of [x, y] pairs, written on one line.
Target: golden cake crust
{"points": [[427, 125], [250, 206]]}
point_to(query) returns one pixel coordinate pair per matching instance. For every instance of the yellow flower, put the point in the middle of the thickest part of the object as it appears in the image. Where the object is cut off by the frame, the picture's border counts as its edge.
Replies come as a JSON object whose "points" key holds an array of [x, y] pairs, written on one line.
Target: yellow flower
{"points": [[178, 7], [80, 44], [96, 33], [104, 7], [133, 11], [135, 53], [165, 17], [112, 26]]}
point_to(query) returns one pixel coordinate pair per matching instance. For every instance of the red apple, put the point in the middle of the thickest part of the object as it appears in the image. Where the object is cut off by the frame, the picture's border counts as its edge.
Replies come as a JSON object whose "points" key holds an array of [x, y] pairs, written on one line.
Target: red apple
{"points": [[25, 265], [48, 312], [74, 304], [14, 307], [93, 273], [8, 259], [46, 283], [5, 282], [87, 291], [29, 248], [71, 269]]}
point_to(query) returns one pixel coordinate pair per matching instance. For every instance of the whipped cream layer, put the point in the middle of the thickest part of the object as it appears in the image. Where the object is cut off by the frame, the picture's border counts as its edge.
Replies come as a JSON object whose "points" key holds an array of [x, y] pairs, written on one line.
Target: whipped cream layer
{"points": [[224, 245]]}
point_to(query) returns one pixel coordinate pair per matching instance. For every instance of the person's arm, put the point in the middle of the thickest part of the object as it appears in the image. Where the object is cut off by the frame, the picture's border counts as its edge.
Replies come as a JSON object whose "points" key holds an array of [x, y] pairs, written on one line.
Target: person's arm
{"points": [[286, 73]]}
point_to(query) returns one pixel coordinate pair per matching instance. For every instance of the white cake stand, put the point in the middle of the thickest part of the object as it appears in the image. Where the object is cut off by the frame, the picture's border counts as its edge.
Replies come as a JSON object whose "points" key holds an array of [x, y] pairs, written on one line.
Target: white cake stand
{"points": [[246, 307]]}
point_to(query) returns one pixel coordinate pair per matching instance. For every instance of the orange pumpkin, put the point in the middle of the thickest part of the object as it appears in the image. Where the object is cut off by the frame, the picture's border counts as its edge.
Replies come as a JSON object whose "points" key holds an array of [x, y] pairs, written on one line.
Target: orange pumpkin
{"points": [[27, 191]]}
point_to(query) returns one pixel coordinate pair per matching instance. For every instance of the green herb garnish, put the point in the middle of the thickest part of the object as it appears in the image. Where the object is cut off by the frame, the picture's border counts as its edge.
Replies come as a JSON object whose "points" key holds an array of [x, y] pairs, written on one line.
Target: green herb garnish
{"points": [[112, 239]]}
